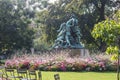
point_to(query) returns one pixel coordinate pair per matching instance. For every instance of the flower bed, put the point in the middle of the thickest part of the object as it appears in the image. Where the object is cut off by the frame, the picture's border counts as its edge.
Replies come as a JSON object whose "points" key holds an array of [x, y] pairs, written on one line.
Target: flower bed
{"points": [[62, 62]]}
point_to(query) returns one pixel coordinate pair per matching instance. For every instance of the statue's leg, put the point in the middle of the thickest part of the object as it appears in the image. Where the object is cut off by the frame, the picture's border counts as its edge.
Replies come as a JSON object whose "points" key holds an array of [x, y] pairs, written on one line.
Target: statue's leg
{"points": [[78, 39], [68, 41]]}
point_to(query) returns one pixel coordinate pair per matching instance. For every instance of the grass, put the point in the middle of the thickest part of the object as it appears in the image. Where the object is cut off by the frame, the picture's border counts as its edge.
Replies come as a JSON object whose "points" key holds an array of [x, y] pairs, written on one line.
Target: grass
{"points": [[80, 75], [49, 75]]}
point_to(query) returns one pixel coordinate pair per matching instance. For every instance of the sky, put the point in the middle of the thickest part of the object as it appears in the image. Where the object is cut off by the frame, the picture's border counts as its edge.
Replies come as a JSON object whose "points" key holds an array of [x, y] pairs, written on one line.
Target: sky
{"points": [[52, 1]]}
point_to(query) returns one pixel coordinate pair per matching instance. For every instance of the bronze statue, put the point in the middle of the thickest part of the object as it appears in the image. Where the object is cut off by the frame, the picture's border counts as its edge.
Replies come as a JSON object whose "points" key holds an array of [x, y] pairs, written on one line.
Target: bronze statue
{"points": [[68, 35]]}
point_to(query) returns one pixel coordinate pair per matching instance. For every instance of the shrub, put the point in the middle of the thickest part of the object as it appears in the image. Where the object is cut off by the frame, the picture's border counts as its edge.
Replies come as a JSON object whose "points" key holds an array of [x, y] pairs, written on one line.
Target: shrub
{"points": [[62, 62]]}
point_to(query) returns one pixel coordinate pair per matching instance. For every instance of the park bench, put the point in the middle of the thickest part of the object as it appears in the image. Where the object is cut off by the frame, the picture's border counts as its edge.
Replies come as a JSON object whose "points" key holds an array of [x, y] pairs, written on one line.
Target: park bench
{"points": [[21, 74]]}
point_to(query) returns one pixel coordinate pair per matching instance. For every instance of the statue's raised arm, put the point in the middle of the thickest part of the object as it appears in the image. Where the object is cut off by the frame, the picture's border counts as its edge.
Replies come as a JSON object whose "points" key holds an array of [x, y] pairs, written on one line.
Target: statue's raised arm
{"points": [[62, 30], [61, 27]]}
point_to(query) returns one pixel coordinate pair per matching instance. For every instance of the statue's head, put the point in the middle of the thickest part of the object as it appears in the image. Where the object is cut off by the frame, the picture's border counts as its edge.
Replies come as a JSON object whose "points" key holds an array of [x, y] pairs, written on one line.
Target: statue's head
{"points": [[74, 19]]}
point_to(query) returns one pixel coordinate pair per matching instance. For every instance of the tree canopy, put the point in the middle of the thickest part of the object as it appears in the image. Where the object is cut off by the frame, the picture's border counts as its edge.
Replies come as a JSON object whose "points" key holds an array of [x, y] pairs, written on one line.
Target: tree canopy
{"points": [[14, 30], [109, 31], [20, 19]]}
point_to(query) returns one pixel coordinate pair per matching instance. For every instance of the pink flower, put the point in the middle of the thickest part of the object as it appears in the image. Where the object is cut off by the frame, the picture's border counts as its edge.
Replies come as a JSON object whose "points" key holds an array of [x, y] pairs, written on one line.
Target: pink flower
{"points": [[62, 66]]}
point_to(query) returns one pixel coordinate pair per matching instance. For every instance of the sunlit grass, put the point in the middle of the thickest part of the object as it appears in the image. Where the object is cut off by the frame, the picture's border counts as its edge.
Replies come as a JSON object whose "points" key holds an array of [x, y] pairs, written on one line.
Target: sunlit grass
{"points": [[80, 75]]}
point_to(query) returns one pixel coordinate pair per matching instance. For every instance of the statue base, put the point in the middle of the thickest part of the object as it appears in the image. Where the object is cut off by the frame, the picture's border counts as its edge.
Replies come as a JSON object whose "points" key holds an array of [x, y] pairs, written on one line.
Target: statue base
{"points": [[79, 52]]}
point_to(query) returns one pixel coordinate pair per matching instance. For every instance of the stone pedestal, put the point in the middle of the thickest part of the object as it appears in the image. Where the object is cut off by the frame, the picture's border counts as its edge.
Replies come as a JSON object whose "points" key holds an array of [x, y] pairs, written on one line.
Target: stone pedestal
{"points": [[74, 52], [79, 52]]}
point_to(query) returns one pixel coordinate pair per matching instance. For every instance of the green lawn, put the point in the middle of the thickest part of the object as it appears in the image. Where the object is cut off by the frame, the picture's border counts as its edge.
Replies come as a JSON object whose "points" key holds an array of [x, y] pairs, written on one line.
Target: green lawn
{"points": [[80, 75], [47, 75]]}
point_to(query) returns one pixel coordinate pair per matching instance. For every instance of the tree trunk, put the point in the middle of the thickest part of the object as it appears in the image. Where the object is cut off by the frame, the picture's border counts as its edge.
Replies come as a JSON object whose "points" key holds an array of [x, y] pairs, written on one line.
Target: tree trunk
{"points": [[118, 60], [102, 46], [102, 18], [118, 66], [102, 12]]}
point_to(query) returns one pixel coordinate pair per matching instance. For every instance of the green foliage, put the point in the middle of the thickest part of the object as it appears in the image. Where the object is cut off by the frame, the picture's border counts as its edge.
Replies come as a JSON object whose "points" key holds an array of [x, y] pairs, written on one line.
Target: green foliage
{"points": [[114, 51], [109, 31], [40, 44], [14, 30]]}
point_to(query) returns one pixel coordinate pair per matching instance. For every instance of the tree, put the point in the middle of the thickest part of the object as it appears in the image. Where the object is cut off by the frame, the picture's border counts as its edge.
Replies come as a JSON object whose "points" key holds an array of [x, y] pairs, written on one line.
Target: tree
{"points": [[88, 12], [14, 30], [91, 12], [109, 31]]}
